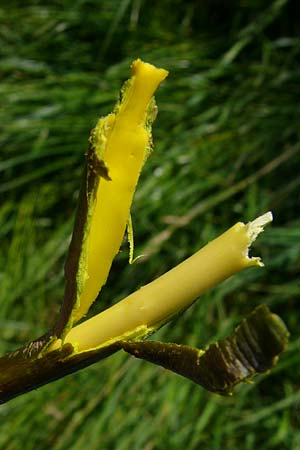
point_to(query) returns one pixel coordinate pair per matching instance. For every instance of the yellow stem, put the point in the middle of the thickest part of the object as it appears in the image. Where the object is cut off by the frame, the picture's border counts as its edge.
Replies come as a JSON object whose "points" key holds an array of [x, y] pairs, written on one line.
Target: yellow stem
{"points": [[174, 291], [122, 141]]}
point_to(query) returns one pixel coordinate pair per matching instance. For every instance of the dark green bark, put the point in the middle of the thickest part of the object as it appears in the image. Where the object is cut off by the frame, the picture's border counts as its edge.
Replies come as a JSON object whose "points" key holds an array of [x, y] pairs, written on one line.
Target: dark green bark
{"points": [[252, 348], [23, 371]]}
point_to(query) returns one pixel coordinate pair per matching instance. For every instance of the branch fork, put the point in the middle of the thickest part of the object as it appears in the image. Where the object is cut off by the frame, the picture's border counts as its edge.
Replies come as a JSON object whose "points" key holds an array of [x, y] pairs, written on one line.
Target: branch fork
{"points": [[118, 148]]}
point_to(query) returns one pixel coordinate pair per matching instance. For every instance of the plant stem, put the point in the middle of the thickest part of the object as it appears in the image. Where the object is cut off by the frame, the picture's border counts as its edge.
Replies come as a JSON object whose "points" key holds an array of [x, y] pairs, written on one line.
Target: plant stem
{"points": [[154, 304], [119, 146]]}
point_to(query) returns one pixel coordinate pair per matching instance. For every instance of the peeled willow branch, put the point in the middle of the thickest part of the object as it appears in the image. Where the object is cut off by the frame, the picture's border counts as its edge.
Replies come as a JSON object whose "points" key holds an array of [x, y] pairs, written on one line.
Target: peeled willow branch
{"points": [[147, 309], [118, 148]]}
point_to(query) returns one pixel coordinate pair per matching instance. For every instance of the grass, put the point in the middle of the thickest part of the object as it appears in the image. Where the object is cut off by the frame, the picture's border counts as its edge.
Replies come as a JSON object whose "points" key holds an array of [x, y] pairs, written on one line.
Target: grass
{"points": [[226, 149]]}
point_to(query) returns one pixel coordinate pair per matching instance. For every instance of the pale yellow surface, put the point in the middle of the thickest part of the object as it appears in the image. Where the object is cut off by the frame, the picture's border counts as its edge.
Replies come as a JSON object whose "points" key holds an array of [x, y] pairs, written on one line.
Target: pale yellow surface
{"points": [[175, 290], [124, 152]]}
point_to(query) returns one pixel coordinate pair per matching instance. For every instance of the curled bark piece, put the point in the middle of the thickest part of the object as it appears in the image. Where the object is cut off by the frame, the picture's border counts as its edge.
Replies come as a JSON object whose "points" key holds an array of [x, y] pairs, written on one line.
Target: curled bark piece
{"points": [[252, 348]]}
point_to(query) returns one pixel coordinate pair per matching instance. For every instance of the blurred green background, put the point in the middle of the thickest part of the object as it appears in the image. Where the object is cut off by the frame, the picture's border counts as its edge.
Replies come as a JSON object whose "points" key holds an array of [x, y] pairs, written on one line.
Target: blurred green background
{"points": [[227, 144]]}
